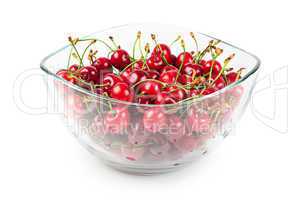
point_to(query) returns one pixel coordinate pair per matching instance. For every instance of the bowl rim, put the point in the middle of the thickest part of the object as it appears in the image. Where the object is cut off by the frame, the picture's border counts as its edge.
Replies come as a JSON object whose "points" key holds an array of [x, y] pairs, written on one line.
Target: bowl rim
{"points": [[253, 71]]}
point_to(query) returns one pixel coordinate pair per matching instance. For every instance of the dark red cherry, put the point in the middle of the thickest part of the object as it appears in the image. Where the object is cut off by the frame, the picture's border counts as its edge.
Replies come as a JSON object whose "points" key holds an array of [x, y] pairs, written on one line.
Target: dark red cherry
{"points": [[144, 99], [111, 79], [155, 62], [120, 59], [214, 64], [99, 90], [121, 91], [132, 77], [168, 76], [202, 62], [207, 91], [173, 58], [138, 64], [191, 69], [164, 98], [73, 68], [168, 68], [116, 120], [219, 82], [184, 58], [153, 74], [193, 92], [102, 63], [88, 74], [231, 77], [185, 79], [176, 93], [65, 75], [150, 87], [154, 120], [162, 50]]}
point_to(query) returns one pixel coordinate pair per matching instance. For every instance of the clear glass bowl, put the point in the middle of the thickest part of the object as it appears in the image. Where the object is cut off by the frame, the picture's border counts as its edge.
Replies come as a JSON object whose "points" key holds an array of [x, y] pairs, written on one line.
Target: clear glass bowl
{"points": [[123, 135]]}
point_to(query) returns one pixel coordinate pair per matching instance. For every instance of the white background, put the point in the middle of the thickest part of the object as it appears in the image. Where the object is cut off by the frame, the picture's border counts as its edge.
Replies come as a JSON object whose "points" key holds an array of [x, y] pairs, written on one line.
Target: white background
{"points": [[40, 160]]}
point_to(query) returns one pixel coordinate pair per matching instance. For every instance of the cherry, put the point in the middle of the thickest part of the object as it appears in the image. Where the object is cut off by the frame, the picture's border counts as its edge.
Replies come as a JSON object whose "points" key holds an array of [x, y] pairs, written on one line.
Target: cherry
{"points": [[231, 77], [121, 91], [164, 98], [202, 62], [102, 63], [152, 74], [116, 120], [214, 64], [173, 59], [150, 87], [144, 99], [185, 79], [184, 58], [194, 92], [88, 74], [207, 91], [155, 62], [168, 77], [219, 82], [168, 68], [191, 69], [154, 119], [120, 59], [73, 68], [176, 93], [132, 77], [162, 50], [110, 80], [65, 75], [199, 121]]}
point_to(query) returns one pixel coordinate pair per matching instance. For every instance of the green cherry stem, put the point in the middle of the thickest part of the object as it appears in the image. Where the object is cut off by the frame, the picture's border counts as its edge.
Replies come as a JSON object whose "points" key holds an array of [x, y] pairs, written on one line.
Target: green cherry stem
{"points": [[87, 47], [98, 40], [73, 43], [153, 36], [195, 40], [113, 42], [154, 80], [181, 64], [176, 40], [135, 43]]}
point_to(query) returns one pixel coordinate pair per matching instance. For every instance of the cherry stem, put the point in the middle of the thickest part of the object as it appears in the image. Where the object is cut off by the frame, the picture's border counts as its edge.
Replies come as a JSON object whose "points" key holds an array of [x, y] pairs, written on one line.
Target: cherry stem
{"points": [[73, 43], [114, 43], [153, 36], [88, 46], [178, 38], [130, 65], [154, 80], [98, 40], [135, 43], [140, 45], [181, 64], [195, 40], [226, 62], [70, 56]]}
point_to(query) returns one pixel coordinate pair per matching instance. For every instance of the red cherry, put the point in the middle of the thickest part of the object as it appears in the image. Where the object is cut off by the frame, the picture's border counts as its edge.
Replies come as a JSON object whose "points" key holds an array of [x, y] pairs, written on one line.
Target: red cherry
{"points": [[162, 50], [176, 93], [155, 62], [153, 74], [102, 63], [154, 120], [65, 75], [194, 92], [116, 120], [121, 91], [144, 99], [150, 87], [111, 79], [138, 64], [173, 58], [191, 69], [99, 90], [168, 68], [184, 58], [164, 98], [120, 59], [88, 74], [73, 68], [214, 64], [202, 62], [208, 91], [231, 77], [185, 79], [132, 77], [220, 82], [168, 76]]}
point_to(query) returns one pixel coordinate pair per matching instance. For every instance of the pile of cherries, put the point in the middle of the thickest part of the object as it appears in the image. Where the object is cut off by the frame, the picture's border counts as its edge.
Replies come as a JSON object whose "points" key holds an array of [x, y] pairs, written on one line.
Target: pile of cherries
{"points": [[156, 77], [161, 78]]}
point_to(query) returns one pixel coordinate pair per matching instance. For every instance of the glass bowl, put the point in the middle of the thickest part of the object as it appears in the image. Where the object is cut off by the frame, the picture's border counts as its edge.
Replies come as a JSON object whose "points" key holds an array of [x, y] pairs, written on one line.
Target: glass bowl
{"points": [[150, 139]]}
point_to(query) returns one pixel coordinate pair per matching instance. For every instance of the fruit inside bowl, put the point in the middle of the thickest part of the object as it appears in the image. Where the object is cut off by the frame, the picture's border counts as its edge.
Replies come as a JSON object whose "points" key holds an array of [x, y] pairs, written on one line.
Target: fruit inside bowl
{"points": [[149, 98]]}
